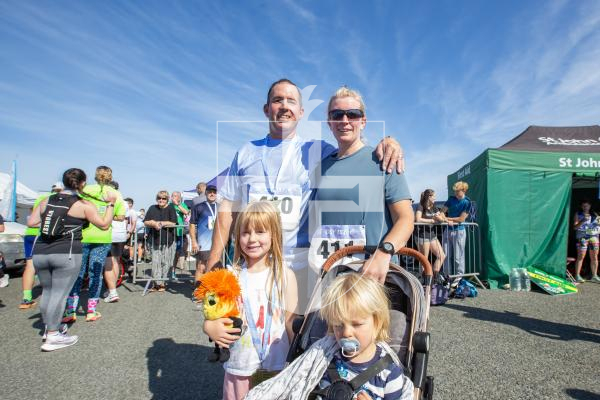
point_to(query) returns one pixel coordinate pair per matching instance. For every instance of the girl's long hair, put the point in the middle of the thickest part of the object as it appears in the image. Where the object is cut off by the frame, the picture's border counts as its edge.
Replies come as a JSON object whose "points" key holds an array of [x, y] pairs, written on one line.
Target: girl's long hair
{"points": [[262, 215], [425, 199]]}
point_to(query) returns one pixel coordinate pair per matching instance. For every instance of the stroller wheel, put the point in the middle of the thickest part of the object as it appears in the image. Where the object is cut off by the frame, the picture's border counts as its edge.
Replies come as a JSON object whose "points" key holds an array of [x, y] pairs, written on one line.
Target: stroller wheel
{"points": [[428, 389]]}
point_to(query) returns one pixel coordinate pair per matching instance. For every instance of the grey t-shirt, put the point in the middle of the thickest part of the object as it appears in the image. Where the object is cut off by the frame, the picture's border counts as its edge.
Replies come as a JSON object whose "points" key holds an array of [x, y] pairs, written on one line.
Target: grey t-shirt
{"points": [[357, 192]]}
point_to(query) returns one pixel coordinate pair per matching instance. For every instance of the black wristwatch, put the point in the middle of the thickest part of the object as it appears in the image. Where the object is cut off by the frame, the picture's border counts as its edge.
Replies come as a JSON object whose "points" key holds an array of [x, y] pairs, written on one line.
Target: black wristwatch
{"points": [[387, 248]]}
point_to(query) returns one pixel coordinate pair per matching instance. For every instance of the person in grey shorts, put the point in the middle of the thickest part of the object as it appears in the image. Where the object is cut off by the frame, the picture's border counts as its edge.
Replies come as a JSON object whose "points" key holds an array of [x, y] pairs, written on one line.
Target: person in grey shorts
{"points": [[57, 251], [427, 240]]}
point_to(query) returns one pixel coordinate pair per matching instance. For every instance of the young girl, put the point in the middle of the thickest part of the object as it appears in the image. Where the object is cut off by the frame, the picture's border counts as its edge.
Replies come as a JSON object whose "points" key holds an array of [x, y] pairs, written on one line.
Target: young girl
{"points": [[269, 296], [356, 309]]}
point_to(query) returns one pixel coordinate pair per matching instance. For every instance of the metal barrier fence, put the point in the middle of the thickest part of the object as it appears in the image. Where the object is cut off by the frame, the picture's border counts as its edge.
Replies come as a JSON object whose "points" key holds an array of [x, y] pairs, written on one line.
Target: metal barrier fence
{"points": [[449, 248], [157, 262]]}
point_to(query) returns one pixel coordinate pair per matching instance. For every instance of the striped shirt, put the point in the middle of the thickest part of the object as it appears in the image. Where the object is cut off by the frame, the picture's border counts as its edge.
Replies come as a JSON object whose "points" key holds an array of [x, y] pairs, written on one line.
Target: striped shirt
{"points": [[389, 384]]}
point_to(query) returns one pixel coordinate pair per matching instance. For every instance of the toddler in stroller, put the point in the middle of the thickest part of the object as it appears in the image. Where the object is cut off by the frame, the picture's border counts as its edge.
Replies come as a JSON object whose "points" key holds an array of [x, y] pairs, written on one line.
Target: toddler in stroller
{"points": [[354, 361]]}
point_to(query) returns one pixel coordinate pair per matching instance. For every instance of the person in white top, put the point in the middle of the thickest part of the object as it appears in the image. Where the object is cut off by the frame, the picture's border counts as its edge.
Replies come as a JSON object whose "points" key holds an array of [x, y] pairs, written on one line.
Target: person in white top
{"points": [[119, 237], [131, 226], [269, 295]]}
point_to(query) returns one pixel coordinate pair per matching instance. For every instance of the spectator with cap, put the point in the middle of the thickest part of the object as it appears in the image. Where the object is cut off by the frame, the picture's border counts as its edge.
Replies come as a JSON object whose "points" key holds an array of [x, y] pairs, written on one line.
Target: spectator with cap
{"points": [[201, 198], [28, 241], [201, 228]]}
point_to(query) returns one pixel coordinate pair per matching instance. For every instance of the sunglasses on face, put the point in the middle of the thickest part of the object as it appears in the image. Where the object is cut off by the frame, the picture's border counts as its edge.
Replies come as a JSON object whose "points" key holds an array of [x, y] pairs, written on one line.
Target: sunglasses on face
{"points": [[162, 198], [211, 192], [352, 114]]}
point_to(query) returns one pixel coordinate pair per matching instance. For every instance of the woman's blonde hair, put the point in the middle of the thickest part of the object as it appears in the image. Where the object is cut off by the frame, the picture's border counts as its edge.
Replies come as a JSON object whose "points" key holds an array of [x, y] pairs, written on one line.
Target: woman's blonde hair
{"points": [[345, 91], [460, 185], [103, 175], [355, 296], [162, 193], [262, 215]]}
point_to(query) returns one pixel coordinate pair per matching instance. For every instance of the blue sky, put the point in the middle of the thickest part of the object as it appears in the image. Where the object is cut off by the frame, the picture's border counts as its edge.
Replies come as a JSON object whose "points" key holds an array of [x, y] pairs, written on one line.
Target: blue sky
{"points": [[140, 85]]}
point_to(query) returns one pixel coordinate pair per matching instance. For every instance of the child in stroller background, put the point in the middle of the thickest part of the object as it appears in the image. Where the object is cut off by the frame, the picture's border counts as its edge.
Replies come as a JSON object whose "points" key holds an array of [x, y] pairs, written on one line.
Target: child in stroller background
{"points": [[354, 360]]}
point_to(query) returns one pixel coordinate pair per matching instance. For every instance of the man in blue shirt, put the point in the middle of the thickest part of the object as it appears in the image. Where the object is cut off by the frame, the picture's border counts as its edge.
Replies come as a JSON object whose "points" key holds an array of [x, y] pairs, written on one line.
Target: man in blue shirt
{"points": [[201, 228], [457, 207]]}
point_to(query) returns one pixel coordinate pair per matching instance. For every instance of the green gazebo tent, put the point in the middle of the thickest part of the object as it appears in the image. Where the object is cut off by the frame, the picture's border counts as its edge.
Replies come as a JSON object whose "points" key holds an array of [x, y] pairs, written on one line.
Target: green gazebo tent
{"points": [[523, 192]]}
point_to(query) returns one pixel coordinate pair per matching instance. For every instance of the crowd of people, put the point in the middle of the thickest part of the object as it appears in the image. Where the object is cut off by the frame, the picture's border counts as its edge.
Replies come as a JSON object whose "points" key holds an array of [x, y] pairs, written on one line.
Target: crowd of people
{"points": [[78, 235], [276, 199]]}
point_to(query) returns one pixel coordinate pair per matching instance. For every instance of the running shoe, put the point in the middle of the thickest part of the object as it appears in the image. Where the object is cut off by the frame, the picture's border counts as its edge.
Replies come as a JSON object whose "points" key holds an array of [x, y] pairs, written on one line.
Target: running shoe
{"points": [[595, 278], [111, 298], [579, 279], [62, 329], [4, 281], [58, 341], [69, 318], [26, 304], [94, 316]]}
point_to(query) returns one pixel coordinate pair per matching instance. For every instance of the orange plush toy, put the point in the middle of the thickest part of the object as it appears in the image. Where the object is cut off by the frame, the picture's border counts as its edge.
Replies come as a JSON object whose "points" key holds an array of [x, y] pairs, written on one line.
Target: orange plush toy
{"points": [[219, 292]]}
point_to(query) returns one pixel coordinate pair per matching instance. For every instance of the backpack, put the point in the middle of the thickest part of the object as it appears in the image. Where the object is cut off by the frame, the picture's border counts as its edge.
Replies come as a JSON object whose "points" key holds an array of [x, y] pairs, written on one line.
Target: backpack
{"points": [[440, 290], [439, 294], [465, 289], [53, 226]]}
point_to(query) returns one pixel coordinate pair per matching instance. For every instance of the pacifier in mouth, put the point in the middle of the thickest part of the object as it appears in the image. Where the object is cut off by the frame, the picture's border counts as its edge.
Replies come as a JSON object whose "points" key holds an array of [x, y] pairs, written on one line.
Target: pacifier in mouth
{"points": [[349, 347]]}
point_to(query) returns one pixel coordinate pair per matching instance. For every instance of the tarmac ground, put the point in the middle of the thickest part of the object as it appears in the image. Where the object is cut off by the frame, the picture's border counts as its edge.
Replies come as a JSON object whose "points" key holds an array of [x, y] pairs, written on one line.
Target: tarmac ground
{"points": [[500, 345]]}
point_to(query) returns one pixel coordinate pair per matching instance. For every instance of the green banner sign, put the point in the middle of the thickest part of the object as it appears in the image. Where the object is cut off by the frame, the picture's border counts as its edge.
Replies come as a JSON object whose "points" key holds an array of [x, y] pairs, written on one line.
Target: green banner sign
{"points": [[584, 163], [550, 283]]}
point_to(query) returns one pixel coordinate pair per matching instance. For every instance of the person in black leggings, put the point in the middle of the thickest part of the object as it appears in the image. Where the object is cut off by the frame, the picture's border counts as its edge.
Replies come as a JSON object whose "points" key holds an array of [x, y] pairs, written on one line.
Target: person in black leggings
{"points": [[57, 251]]}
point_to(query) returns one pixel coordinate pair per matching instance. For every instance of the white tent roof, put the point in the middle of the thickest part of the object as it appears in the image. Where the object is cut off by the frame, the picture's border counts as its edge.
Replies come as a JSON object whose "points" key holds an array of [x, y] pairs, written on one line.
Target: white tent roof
{"points": [[25, 195]]}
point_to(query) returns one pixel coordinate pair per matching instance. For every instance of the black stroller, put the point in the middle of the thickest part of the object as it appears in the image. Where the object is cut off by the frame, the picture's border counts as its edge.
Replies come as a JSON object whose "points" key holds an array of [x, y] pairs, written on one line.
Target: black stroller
{"points": [[409, 314]]}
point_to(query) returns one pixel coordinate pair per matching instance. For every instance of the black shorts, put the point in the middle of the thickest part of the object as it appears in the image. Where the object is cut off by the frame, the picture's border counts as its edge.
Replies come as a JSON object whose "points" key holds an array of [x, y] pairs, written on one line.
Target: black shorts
{"points": [[116, 250]]}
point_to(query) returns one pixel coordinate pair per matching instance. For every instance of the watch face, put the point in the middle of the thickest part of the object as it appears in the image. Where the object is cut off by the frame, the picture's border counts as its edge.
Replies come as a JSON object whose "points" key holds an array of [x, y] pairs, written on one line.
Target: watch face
{"points": [[388, 248]]}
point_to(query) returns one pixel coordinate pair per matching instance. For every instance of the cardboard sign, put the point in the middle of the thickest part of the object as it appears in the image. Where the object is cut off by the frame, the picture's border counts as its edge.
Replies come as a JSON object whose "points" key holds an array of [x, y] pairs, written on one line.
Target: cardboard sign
{"points": [[549, 283]]}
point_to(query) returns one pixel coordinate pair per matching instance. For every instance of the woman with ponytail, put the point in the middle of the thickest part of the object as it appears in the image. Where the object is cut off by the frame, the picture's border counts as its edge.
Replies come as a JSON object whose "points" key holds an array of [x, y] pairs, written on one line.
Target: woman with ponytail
{"points": [[57, 251]]}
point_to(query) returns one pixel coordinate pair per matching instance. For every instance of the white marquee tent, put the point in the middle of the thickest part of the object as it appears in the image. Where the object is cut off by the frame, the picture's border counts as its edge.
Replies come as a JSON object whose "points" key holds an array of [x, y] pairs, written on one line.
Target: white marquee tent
{"points": [[25, 197]]}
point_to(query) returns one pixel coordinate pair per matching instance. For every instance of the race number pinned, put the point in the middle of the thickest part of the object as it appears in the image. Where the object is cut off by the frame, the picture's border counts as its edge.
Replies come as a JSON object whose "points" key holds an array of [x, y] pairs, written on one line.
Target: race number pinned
{"points": [[287, 201], [212, 217], [330, 238]]}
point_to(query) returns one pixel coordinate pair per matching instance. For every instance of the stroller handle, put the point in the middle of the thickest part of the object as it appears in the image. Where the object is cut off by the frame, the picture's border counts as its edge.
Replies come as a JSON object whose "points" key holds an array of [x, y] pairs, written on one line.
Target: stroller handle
{"points": [[405, 251]]}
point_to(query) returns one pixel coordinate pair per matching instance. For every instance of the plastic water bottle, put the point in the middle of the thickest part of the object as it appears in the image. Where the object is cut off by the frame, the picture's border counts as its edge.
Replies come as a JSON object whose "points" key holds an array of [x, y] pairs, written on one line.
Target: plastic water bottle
{"points": [[515, 280], [525, 280]]}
